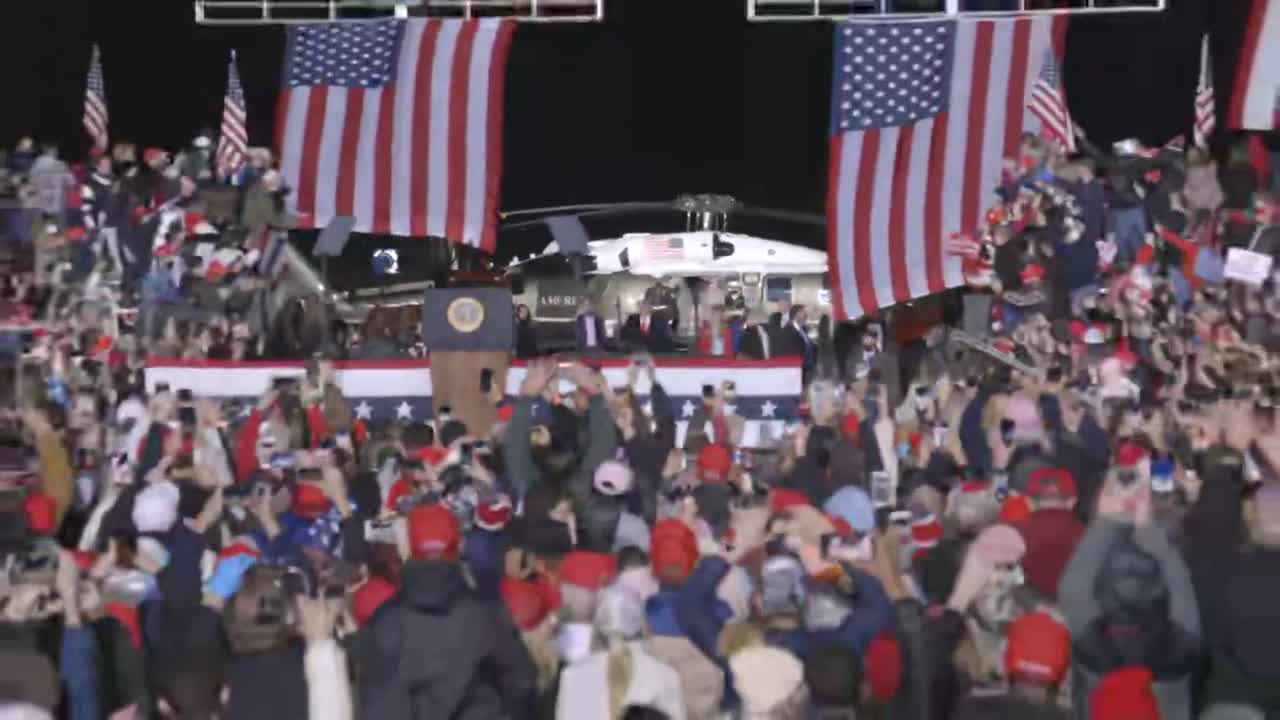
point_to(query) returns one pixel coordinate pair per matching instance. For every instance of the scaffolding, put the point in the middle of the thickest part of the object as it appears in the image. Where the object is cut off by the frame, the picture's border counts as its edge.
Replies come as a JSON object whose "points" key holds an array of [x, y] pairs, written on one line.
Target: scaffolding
{"points": [[871, 10], [296, 12]]}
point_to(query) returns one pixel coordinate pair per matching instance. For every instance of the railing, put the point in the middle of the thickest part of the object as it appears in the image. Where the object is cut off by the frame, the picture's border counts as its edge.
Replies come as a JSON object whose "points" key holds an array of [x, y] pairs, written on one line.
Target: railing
{"points": [[809, 10], [295, 12]]}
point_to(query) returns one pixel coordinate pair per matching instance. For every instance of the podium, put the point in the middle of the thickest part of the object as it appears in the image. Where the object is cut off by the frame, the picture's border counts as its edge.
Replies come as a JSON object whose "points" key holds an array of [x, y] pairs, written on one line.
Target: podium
{"points": [[466, 331]]}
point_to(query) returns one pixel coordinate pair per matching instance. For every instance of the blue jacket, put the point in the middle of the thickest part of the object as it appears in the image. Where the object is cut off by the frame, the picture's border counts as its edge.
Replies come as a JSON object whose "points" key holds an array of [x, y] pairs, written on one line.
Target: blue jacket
{"points": [[695, 612], [872, 613], [483, 554]]}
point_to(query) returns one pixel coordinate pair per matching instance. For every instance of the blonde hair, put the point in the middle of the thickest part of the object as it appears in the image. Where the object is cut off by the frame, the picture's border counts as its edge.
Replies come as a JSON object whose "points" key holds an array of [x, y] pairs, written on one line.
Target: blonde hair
{"points": [[620, 669], [738, 636]]}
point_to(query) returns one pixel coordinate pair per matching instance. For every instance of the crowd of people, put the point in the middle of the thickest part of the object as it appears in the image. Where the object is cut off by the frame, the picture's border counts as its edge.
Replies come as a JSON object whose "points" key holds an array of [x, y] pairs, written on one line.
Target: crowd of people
{"points": [[1081, 521]]}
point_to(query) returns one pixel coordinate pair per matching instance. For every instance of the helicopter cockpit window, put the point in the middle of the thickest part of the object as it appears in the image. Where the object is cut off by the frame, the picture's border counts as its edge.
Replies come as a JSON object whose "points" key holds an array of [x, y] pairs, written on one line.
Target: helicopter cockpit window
{"points": [[777, 289]]}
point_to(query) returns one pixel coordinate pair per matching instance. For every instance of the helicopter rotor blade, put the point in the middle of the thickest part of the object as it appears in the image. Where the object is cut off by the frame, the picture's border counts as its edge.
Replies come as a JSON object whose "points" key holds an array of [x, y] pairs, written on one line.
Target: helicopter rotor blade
{"points": [[581, 208], [581, 211], [785, 215]]}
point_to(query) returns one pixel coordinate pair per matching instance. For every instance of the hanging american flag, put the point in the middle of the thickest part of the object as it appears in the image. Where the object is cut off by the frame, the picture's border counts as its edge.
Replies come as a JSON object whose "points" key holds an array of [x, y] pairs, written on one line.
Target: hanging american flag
{"points": [[95, 104], [1049, 103], [397, 123], [233, 139], [1205, 106], [1255, 101], [923, 115]]}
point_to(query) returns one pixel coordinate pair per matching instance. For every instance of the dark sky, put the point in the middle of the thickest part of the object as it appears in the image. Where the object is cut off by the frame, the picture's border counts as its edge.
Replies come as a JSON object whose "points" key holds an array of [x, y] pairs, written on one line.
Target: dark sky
{"points": [[666, 96]]}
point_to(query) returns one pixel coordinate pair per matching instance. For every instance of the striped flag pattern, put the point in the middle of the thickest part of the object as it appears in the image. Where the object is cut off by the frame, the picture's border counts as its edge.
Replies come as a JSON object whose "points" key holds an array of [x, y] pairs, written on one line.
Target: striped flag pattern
{"points": [[274, 255], [397, 123], [95, 104], [233, 139], [923, 115], [1255, 101], [1205, 106], [1049, 103]]}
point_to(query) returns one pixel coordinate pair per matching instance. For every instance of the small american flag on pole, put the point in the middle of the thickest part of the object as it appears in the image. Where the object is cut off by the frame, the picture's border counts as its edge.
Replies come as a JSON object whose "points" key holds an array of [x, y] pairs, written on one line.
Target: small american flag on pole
{"points": [[664, 248], [1205, 105], [233, 139], [1049, 103], [397, 123], [95, 104]]}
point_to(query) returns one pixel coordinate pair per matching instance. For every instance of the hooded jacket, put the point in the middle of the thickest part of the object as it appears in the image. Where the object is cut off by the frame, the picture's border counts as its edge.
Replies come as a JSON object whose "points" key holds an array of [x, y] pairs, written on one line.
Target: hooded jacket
{"points": [[438, 650], [1164, 637]]}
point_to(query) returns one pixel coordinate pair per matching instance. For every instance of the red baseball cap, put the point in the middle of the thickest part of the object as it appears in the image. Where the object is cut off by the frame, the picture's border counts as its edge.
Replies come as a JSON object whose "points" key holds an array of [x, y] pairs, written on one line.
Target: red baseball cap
{"points": [[434, 533], [714, 458], [1038, 650], [590, 570], [673, 551], [525, 601], [1124, 694], [369, 597], [1058, 482], [782, 498]]}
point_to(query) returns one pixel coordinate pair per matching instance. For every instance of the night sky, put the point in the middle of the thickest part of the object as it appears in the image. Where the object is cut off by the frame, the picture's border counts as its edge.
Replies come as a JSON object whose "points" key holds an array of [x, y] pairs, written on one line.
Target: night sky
{"points": [[666, 96]]}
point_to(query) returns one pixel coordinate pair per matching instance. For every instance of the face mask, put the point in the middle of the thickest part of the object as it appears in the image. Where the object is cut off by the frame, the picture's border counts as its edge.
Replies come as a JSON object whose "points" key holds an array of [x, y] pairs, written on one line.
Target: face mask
{"points": [[904, 449]]}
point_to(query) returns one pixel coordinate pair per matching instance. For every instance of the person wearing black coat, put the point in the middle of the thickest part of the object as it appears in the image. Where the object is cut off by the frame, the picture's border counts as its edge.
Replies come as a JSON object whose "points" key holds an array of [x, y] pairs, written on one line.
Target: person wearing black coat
{"points": [[438, 649], [649, 330]]}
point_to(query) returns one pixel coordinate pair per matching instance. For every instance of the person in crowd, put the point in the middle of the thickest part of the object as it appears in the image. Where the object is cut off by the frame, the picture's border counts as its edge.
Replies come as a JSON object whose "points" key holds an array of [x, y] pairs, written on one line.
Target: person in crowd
{"points": [[470, 662]]}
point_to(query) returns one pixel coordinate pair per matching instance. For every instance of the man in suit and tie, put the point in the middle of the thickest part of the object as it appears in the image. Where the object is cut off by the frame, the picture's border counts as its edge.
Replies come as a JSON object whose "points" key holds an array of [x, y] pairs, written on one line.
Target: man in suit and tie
{"points": [[756, 339], [589, 330], [794, 340], [650, 331]]}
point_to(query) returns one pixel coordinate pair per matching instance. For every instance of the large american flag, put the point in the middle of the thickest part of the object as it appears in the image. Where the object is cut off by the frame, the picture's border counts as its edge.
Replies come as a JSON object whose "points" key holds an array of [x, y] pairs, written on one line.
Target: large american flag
{"points": [[1255, 102], [95, 104], [233, 139], [923, 114], [1205, 105], [1049, 103], [397, 123]]}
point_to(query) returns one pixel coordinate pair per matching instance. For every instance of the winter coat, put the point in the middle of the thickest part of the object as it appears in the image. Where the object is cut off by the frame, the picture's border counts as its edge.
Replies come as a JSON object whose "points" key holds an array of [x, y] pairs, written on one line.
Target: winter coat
{"points": [[517, 454], [1236, 585], [438, 650], [1175, 645], [584, 687], [270, 684]]}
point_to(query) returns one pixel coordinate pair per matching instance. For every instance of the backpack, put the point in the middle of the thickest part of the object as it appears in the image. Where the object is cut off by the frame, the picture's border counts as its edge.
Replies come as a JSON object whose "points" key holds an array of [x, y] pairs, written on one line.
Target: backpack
{"points": [[260, 617]]}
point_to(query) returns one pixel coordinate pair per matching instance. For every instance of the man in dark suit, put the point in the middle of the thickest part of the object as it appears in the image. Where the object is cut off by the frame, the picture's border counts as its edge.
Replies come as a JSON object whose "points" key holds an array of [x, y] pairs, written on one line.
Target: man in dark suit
{"points": [[756, 341], [589, 331], [794, 340], [650, 331]]}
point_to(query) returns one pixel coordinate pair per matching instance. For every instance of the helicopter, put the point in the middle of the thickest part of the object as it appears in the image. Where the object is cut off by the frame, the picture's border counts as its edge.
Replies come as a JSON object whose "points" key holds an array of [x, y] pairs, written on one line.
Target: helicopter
{"points": [[691, 275]]}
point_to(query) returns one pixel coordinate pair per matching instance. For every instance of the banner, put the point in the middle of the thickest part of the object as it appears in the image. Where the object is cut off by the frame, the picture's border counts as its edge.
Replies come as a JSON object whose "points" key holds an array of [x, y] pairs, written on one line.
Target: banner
{"points": [[769, 391]]}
